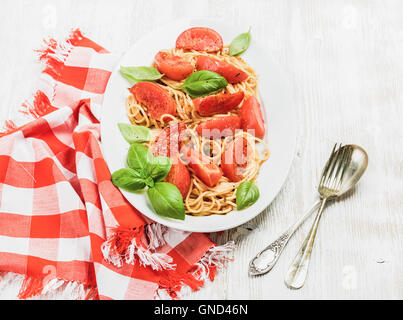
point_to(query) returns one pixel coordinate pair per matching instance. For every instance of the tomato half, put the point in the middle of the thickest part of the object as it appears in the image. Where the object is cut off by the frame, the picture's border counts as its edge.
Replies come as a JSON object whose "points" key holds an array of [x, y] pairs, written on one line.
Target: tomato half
{"points": [[252, 118], [219, 127], [218, 103], [157, 100], [235, 159], [168, 141], [208, 172], [200, 39], [228, 71], [179, 176], [174, 67]]}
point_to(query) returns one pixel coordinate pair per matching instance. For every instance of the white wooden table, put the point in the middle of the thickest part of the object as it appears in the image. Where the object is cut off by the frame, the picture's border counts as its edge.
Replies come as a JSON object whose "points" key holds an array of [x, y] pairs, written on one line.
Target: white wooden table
{"points": [[345, 62]]}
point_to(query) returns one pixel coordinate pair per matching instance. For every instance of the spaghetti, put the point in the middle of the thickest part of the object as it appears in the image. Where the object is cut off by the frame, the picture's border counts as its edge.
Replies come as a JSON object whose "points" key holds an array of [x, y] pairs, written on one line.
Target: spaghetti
{"points": [[201, 199]]}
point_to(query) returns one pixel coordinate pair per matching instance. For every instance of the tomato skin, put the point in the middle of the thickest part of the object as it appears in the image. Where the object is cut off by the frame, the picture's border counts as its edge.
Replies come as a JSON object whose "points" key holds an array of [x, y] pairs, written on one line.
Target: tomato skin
{"points": [[218, 103], [251, 117], [179, 176], [174, 67], [219, 127], [167, 145], [235, 158], [200, 39], [208, 172], [168, 141], [228, 71], [156, 99]]}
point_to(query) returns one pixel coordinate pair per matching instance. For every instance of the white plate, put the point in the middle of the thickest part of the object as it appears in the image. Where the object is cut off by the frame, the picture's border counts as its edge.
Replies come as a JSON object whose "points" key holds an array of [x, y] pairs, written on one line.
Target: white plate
{"points": [[278, 109]]}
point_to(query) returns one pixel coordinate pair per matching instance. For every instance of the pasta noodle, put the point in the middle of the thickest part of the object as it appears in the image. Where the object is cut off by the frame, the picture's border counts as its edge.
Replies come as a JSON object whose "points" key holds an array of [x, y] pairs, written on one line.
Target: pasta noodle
{"points": [[202, 200]]}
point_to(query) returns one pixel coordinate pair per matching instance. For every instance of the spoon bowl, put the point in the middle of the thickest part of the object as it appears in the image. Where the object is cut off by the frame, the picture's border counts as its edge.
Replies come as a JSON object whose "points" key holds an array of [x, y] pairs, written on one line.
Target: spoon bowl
{"points": [[355, 169]]}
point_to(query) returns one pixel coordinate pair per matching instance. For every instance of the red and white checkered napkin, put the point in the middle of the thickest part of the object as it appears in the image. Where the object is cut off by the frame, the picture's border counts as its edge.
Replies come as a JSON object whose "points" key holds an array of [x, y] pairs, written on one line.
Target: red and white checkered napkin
{"points": [[62, 222]]}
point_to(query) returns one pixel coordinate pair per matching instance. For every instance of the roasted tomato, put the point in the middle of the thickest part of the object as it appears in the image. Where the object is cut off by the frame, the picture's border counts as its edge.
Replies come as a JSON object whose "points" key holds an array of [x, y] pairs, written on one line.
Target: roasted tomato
{"points": [[208, 172], [218, 103], [252, 118], [235, 159], [200, 39], [228, 71], [219, 127], [156, 99], [179, 176], [174, 67], [168, 141]]}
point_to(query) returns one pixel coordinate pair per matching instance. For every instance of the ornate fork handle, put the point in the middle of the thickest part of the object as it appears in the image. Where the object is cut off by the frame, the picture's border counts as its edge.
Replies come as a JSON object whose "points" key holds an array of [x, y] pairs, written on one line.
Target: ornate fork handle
{"points": [[265, 260]]}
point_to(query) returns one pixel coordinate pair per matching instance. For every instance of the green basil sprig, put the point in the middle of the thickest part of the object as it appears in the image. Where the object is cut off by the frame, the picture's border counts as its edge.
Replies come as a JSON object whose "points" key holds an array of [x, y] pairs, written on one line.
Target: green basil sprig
{"points": [[133, 133], [246, 194], [128, 179], [139, 158], [203, 83], [146, 170], [240, 44], [137, 74], [167, 200], [159, 168]]}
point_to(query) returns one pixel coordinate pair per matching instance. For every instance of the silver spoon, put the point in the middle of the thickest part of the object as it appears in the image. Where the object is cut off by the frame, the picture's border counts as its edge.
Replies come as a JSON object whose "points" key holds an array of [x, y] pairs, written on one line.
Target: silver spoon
{"points": [[265, 260], [344, 168]]}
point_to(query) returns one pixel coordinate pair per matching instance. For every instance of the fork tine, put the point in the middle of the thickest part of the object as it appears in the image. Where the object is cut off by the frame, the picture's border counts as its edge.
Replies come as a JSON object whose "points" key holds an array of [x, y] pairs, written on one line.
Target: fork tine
{"points": [[328, 165], [340, 164], [326, 168], [333, 161], [346, 160]]}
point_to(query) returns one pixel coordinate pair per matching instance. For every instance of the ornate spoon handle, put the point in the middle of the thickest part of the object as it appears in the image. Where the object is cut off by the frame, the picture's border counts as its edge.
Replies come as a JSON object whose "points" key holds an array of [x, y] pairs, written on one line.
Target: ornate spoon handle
{"points": [[265, 260]]}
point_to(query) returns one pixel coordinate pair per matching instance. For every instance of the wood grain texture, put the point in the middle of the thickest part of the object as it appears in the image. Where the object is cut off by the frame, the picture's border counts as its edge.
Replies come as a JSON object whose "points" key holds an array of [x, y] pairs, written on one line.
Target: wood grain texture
{"points": [[344, 62]]}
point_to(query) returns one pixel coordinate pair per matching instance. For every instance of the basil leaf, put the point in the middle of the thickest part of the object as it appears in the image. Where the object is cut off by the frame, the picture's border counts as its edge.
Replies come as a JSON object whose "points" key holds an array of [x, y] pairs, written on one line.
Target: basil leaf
{"points": [[202, 83], [128, 179], [160, 167], [128, 77], [137, 74], [149, 182], [133, 133], [167, 200], [240, 44], [246, 194], [139, 158]]}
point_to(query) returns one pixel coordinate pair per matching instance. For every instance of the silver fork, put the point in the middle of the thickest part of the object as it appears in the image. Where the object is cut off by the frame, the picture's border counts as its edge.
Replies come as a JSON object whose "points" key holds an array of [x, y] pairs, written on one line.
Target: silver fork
{"points": [[330, 187]]}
